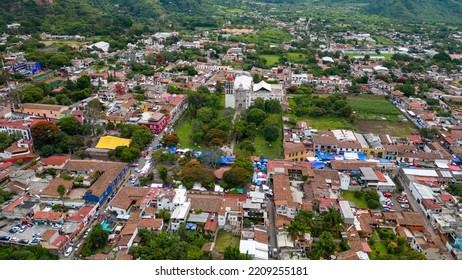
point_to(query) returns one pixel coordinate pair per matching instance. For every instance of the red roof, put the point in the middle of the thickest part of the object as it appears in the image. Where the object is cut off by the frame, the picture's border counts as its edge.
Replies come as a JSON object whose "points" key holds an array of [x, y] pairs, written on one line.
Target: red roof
{"points": [[415, 138], [54, 160], [240, 197], [52, 216], [229, 77], [15, 203], [83, 212], [447, 198], [380, 176], [59, 241]]}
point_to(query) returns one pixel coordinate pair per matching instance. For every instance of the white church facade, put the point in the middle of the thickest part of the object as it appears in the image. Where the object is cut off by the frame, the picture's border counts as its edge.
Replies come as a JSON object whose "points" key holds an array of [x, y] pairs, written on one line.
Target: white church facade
{"points": [[240, 91]]}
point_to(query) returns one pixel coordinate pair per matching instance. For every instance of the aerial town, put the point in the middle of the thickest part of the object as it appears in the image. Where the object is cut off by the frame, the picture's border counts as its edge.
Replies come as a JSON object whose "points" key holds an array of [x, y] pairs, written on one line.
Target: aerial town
{"points": [[311, 142]]}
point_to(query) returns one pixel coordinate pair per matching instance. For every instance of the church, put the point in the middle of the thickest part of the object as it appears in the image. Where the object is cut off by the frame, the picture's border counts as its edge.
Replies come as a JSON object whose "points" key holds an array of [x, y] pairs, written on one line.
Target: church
{"points": [[240, 91]]}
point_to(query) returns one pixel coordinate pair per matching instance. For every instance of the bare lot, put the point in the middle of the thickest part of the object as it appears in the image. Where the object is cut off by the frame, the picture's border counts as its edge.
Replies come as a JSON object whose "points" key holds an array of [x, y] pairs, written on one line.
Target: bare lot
{"points": [[398, 129]]}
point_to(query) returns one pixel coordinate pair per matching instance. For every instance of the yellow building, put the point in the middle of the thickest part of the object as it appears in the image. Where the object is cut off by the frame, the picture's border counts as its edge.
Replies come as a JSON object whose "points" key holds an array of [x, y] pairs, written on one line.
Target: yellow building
{"points": [[112, 142], [295, 152]]}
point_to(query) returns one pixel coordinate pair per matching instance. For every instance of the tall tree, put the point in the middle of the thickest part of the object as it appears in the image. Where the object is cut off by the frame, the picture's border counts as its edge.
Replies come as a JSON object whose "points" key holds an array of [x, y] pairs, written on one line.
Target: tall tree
{"points": [[44, 133], [61, 191]]}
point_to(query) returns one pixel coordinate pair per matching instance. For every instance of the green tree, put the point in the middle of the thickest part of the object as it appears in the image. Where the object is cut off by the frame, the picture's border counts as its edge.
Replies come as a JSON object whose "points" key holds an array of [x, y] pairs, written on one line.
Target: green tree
{"points": [[170, 140], [236, 177], [44, 133], [247, 146], [31, 94], [324, 248], [233, 253], [244, 162], [271, 133], [96, 240], [61, 191], [83, 82], [256, 116], [70, 125], [163, 173]]}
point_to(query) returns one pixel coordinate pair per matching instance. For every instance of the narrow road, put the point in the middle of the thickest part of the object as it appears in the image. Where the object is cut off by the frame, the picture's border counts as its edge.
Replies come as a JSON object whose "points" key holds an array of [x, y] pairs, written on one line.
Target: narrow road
{"points": [[272, 242], [232, 138]]}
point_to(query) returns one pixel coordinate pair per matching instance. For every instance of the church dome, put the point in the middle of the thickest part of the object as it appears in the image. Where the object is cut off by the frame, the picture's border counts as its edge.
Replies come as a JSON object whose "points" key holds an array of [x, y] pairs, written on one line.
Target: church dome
{"points": [[229, 77]]}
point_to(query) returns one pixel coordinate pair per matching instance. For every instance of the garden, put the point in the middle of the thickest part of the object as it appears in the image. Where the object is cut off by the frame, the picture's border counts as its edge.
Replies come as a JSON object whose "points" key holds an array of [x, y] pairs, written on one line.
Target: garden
{"points": [[386, 245]]}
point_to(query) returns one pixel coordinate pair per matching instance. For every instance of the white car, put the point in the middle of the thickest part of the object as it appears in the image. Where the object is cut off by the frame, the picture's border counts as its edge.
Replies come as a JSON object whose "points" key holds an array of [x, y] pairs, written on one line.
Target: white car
{"points": [[68, 252]]}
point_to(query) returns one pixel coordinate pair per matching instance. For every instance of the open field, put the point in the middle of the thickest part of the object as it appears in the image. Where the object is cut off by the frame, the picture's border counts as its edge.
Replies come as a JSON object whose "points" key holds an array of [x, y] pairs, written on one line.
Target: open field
{"points": [[70, 43], [383, 40], [225, 239], [373, 108], [262, 147], [271, 59], [398, 129], [183, 133], [360, 202]]}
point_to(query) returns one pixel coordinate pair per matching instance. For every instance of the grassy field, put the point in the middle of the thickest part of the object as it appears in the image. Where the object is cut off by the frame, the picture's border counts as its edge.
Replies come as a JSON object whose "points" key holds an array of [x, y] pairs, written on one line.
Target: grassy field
{"points": [[373, 108], [296, 57], [324, 122], [225, 239], [398, 129], [70, 43], [360, 202], [271, 59], [263, 149], [383, 40], [183, 133]]}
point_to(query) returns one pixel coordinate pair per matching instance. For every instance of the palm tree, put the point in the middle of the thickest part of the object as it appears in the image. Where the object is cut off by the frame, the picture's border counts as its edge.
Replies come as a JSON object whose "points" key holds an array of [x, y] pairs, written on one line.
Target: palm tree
{"points": [[332, 220], [61, 189]]}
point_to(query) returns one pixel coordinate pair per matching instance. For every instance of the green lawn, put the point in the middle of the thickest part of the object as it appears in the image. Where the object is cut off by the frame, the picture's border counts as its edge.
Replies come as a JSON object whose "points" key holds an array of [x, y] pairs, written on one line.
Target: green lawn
{"points": [[360, 202], [225, 239], [383, 40], [263, 149], [271, 59], [368, 107], [183, 133], [398, 129], [324, 122], [296, 57]]}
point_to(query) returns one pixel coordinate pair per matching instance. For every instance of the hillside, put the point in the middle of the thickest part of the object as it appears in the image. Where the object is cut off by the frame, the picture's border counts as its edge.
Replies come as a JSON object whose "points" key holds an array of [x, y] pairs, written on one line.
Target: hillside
{"points": [[106, 17]]}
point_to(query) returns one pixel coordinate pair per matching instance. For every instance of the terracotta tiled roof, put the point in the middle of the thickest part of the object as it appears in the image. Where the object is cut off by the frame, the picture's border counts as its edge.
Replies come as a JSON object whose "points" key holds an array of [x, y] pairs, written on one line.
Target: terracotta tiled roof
{"points": [[128, 196], [151, 223], [52, 188], [129, 228], [206, 202], [54, 160]]}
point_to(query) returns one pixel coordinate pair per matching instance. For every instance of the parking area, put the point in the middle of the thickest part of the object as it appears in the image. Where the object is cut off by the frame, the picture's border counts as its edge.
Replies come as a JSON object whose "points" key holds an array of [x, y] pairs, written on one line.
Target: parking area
{"points": [[28, 232], [396, 199]]}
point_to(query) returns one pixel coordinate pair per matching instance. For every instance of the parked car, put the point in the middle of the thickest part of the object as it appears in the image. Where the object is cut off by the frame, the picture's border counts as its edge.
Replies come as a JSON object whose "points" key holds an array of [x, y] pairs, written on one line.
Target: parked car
{"points": [[55, 226], [5, 238], [36, 235], [34, 242], [402, 200], [78, 245], [23, 241], [13, 230], [135, 164], [14, 239], [387, 194], [68, 252], [405, 206]]}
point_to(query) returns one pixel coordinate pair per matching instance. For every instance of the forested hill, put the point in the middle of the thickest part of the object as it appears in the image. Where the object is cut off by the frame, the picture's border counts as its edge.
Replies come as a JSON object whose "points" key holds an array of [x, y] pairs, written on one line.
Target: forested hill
{"points": [[105, 17], [448, 11]]}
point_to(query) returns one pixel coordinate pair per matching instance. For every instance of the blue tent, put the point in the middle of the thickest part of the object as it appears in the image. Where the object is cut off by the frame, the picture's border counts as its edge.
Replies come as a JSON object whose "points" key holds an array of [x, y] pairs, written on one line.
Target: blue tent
{"points": [[384, 160], [362, 156], [191, 226], [317, 164], [457, 160], [262, 159]]}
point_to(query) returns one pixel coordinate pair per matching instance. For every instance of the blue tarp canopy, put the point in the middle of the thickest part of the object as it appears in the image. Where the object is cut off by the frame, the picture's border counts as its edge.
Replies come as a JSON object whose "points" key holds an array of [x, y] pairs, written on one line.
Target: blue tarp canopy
{"points": [[317, 164], [323, 156], [262, 159], [384, 160], [457, 160], [191, 226], [362, 156], [226, 160], [172, 149]]}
